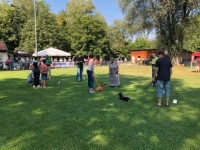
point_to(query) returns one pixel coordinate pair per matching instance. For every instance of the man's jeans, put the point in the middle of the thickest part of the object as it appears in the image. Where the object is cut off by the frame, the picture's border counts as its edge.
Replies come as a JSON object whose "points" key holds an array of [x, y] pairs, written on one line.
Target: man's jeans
{"points": [[163, 85], [79, 74], [90, 79]]}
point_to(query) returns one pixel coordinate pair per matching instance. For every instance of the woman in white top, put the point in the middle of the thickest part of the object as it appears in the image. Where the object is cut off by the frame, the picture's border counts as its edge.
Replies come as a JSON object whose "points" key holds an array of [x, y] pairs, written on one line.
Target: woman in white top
{"points": [[90, 73]]}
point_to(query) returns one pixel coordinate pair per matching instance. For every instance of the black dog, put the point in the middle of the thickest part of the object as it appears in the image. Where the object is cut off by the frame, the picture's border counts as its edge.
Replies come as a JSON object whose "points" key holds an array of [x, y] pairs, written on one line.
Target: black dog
{"points": [[124, 98]]}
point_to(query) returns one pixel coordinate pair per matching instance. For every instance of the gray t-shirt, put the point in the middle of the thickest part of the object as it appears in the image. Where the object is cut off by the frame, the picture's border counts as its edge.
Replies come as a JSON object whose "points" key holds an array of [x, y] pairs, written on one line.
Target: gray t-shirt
{"points": [[30, 77]]}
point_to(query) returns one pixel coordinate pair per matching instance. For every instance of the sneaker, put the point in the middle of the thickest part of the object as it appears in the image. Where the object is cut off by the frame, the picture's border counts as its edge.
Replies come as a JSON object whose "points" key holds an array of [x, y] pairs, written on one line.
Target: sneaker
{"points": [[34, 86], [92, 91]]}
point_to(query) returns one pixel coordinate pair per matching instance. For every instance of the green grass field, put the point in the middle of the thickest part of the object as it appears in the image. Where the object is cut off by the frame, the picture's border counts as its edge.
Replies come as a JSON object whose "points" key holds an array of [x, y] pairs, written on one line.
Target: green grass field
{"points": [[67, 117]]}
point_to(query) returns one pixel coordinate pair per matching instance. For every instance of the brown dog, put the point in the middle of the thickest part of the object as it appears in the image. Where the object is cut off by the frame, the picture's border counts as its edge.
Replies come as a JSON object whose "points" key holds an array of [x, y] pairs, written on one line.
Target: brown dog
{"points": [[100, 87]]}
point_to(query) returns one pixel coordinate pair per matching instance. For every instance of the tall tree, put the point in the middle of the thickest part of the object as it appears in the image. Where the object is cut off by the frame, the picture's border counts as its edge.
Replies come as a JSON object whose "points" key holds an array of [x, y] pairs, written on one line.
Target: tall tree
{"points": [[118, 38], [48, 33], [168, 17], [192, 34], [11, 24], [86, 28]]}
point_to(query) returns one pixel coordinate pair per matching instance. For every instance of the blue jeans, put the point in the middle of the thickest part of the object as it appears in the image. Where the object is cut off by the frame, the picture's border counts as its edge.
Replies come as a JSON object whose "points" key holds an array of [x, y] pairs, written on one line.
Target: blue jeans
{"points": [[90, 79], [79, 73], [163, 85]]}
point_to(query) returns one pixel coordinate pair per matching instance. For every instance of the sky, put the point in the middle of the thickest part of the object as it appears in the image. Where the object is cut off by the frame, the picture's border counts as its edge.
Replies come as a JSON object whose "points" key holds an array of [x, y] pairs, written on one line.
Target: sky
{"points": [[108, 8]]}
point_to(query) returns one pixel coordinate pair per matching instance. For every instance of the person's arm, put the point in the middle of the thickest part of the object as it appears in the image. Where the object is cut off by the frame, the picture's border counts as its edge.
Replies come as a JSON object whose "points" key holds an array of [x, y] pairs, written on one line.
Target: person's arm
{"points": [[32, 75], [109, 69], [117, 68], [170, 72], [92, 65]]}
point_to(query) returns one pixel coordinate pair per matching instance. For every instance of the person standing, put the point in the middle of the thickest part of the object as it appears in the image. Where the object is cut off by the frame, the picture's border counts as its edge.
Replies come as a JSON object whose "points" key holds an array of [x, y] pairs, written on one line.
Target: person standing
{"points": [[90, 73], [36, 73], [114, 73], [153, 62], [44, 70], [28, 62], [22, 63], [1, 64], [48, 63], [7, 63], [163, 72], [79, 64]]}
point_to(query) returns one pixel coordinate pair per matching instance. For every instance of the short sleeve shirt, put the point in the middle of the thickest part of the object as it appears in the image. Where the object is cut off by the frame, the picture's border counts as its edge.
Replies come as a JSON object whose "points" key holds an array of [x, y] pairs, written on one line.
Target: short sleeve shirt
{"points": [[43, 68], [80, 64], [154, 62], [164, 65]]}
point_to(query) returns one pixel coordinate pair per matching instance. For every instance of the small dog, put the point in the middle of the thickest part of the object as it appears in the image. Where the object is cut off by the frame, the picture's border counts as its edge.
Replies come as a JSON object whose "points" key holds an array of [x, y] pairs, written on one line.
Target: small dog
{"points": [[100, 87], [124, 98]]}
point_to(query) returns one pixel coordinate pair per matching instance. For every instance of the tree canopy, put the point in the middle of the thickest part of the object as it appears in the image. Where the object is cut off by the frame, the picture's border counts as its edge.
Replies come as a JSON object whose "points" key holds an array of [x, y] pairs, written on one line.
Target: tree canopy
{"points": [[169, 18]]}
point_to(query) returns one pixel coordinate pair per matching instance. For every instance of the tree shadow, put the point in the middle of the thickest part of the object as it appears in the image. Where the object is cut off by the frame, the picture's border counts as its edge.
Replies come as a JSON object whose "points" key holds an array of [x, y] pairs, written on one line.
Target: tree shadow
{"points": [[67, 116]]}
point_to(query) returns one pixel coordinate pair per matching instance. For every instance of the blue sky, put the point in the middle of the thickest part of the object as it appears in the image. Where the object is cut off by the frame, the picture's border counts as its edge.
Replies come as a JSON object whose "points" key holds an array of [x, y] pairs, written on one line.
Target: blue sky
{"points": [[108, 8]]}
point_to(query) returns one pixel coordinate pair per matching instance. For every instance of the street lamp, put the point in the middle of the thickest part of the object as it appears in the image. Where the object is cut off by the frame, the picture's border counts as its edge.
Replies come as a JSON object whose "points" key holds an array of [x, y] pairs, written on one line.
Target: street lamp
{"points": [[35, 28]]}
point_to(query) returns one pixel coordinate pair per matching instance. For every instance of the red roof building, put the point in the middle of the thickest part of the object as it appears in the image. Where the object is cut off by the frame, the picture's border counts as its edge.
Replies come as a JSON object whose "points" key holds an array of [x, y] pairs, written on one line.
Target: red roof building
{"points": [[3, 47]]}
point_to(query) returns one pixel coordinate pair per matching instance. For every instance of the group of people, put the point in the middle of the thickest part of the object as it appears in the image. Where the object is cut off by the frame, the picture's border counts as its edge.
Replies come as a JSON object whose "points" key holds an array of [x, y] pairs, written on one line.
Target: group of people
{"points": [[22, 63], [40, 68], [90, 62], [161, 74]]}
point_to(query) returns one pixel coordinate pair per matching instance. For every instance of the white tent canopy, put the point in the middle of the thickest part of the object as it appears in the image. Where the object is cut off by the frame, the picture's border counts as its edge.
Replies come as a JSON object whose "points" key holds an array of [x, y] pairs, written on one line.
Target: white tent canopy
{"points": [[52, 52]]}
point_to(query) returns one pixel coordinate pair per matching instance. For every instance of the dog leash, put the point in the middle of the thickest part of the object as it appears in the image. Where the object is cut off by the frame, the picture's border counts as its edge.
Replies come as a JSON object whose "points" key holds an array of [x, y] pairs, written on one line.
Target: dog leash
{"points": [[96, 81]]}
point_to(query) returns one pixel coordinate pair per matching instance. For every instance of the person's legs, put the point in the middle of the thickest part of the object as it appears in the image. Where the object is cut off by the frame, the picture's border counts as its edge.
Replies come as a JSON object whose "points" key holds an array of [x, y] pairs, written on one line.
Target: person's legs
{"points": [[44, 80], [36, 78], [81, 74], [159, 91], [90, 81], [167, 92], [77, 74], [49, 72], [153, 73]]}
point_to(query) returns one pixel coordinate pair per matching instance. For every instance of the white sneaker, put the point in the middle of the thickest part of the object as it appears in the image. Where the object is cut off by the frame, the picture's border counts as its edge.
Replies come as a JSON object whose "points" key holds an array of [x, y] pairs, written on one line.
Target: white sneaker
{"points": [[92, 91], [34, 86], [38, 86]]}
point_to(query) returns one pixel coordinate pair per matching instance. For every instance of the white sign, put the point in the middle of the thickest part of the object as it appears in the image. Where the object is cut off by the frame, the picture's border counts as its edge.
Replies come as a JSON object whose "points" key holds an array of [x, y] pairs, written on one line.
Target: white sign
{"points": [[62, 64]]}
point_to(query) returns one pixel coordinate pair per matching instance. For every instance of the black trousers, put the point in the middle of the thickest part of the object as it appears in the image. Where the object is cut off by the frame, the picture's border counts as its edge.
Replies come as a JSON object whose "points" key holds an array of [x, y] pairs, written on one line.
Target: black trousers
{"points": [[36, 79]]}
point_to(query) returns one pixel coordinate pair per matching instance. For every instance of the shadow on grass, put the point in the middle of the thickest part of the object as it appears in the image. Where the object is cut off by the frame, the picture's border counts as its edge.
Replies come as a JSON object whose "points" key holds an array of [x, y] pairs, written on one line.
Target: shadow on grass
{"points": [[67, 116]]}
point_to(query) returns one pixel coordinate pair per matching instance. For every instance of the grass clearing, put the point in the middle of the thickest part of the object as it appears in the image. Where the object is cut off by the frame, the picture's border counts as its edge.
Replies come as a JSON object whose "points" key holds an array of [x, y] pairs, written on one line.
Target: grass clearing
{"points": [[67, 117]]}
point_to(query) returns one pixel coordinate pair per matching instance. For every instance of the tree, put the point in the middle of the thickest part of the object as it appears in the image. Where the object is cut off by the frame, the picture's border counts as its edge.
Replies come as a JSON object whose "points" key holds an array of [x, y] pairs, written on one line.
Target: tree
{"points": [[48, 33], [169, 18], [118, 38], [11, 23], [86, 28], [192, 34]]}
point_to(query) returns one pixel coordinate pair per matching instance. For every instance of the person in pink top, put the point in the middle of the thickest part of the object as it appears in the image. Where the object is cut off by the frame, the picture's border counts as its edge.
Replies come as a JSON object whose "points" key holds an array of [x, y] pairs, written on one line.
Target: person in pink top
{"points": [[7, 63], [43, 70]]}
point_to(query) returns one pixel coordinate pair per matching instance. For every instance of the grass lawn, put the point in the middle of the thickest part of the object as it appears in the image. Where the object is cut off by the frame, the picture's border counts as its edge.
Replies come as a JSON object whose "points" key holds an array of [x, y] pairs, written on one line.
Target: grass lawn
{"points": [[67, 117]]}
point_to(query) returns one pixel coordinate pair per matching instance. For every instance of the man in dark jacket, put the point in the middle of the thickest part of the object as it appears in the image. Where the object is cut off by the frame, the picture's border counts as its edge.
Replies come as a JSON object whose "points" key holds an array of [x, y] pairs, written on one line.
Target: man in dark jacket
{"points": [[163, 74]]}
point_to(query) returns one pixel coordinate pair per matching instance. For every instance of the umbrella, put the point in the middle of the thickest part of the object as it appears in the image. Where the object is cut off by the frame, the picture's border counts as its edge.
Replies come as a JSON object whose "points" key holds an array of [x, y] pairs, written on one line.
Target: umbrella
{"points": [[193, 55], [52, 52], [196, 54]]}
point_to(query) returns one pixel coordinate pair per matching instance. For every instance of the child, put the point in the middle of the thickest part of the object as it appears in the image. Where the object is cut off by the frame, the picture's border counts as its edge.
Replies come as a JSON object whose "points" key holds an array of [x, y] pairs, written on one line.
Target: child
{"points": [[44, 70]]}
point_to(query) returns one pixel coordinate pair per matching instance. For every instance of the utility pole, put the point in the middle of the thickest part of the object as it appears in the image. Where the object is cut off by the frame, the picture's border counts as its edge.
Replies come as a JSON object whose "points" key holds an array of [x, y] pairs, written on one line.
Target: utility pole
{"points": [[35, 28]]}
